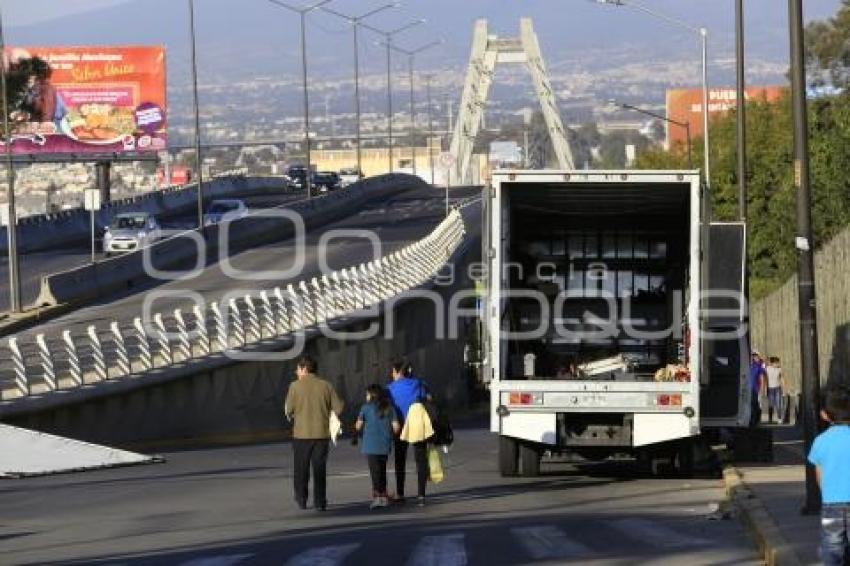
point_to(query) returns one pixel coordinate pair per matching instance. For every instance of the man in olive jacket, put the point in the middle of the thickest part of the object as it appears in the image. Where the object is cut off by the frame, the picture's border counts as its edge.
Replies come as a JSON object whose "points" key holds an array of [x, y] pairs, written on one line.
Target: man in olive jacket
{"points": [[309, 403]]}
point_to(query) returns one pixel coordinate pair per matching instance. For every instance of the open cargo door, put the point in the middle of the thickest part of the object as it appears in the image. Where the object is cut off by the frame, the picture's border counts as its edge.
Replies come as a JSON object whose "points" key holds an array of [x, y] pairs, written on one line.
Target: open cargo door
{"points": [[724, 392]]}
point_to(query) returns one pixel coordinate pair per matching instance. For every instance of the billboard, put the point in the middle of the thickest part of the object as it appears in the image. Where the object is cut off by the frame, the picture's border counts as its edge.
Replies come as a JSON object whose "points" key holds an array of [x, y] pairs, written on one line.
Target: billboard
{"points": [[180, 175], [685, 105], [86, 100]]}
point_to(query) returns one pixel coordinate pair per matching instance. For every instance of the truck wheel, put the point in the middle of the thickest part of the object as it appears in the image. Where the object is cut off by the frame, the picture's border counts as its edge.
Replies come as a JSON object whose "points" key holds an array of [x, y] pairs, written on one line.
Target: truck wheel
{"points": [[529, 458], [508, 456]]}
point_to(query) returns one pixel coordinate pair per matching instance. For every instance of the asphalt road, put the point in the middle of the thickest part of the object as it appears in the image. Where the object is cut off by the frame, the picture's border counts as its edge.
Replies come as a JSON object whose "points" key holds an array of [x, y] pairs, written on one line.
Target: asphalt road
{"points": [[35, 265], [396, 221], [232, 506]]}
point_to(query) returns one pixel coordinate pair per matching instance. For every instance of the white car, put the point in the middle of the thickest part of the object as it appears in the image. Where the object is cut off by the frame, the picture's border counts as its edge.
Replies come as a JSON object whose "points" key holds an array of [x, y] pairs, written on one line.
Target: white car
{"points": [[130, 231], [225, 210], [349, 176]]}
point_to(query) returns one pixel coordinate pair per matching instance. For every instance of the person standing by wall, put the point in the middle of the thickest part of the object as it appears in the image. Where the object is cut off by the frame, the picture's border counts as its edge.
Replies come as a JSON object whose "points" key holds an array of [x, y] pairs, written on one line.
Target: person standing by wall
{"points": [[757, 379], [405, 390], [309, 403], [775, 389]]}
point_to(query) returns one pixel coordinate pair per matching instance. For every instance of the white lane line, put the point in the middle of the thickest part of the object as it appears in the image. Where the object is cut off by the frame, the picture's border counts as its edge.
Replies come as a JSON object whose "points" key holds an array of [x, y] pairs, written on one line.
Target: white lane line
{"points": [[548, 541], [324, 555], [656, 534], [224, 560], [441, 550]]}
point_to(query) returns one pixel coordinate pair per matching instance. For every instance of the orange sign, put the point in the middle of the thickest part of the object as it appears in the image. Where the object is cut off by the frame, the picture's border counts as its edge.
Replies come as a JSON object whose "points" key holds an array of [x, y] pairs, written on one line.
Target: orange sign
{"points": [[87, 99], [685, 105]]}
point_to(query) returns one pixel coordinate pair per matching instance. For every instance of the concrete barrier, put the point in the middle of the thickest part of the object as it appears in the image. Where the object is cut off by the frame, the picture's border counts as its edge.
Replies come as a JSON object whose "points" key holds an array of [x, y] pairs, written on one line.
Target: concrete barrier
{"points": [[47, 231], [118, 274]]}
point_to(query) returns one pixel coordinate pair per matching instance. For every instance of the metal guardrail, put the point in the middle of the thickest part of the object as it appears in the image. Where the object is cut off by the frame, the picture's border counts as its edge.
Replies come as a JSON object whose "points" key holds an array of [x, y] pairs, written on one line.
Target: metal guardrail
{"points": [[136, 348]]}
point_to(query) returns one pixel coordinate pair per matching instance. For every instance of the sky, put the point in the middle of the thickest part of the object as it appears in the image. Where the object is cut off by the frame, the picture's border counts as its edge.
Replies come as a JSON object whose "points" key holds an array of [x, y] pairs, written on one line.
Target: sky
{"points": [[259, 37]]}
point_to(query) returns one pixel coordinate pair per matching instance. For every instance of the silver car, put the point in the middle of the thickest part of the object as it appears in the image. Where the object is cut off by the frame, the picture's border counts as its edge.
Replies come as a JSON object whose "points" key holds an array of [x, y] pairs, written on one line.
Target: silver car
{"points": [[130, 231]]}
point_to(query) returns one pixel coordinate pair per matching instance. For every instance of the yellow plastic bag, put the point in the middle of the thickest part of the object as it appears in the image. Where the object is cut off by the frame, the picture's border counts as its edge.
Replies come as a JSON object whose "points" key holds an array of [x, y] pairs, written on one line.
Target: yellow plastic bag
{"points": [[435, 465]]}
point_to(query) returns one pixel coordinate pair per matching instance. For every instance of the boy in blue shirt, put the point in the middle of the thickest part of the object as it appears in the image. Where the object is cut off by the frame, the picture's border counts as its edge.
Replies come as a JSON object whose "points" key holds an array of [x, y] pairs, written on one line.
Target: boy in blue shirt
{"points": [[831, 455]]}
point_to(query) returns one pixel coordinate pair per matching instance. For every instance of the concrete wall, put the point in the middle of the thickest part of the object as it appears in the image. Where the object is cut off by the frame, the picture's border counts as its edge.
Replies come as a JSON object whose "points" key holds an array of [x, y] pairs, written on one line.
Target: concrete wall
{"points": [[48, 231], [240, 402]]}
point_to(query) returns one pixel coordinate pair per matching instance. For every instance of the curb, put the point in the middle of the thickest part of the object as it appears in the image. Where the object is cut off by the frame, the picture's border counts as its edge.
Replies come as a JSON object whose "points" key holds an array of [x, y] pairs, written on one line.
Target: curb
{"points": [[772, 545]]}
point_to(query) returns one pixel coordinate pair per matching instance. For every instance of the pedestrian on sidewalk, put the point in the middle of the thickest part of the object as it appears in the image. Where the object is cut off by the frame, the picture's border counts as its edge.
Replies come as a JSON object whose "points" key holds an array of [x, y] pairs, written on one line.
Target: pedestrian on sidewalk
{"points": [[776, 388], [378, 424], [757, 382], [405, 390], [309, 403], [830, 454]]}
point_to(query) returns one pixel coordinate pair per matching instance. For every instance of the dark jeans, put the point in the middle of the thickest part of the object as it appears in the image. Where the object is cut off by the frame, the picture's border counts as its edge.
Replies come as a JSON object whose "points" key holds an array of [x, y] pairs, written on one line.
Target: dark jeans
{"points": [[378, 471], [835, 549], [420, 454], [755, 409], [309, 453]]}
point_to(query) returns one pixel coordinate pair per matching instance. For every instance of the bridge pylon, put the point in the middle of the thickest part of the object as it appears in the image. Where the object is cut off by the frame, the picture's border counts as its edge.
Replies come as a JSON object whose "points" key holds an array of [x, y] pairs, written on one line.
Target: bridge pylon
{"points": [[488, 51]]}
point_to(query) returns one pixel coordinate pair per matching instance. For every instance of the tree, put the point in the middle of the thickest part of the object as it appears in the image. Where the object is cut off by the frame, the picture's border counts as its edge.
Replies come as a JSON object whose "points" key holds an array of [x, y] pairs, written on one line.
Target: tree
{"points": [[828, 48]]}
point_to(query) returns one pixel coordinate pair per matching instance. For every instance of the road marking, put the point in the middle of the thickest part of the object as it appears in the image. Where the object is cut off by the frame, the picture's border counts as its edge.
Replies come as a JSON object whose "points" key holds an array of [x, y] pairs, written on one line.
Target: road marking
{"points": [[548, 541], [225, 560], [656, 534], [442, 550], [324, 555]]}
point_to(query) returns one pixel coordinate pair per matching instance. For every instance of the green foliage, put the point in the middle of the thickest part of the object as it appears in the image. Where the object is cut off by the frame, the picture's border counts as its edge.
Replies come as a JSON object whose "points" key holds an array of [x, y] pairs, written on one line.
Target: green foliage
{"points": [[828, 48], [770, 188]]}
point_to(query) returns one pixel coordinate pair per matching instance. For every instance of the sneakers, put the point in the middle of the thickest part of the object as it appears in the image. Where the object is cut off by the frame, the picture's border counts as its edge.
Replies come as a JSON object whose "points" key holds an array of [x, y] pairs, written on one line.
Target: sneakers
{"points": [[420, 501], [379, 502]]}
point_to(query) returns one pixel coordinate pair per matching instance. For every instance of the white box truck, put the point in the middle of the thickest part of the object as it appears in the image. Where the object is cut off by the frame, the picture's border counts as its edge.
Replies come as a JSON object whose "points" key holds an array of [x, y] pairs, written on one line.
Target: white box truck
{"points": [[612, 319]]}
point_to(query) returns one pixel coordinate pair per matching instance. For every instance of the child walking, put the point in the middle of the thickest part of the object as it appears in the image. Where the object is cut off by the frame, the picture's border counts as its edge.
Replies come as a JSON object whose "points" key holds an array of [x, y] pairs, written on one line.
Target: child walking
{"points": [[378, 423], [831, 455]]}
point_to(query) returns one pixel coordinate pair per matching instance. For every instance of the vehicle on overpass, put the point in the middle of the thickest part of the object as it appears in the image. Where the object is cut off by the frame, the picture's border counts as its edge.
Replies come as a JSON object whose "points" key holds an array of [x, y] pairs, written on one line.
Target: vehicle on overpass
{"points": [[349, 176], [326, 181], [130, 231], [225, 210], [298, 175], [614, 323]]}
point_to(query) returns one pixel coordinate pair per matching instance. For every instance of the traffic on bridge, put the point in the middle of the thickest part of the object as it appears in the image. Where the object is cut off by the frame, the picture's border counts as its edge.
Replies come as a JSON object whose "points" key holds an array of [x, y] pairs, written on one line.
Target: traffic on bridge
{"points": [[328, 282]]}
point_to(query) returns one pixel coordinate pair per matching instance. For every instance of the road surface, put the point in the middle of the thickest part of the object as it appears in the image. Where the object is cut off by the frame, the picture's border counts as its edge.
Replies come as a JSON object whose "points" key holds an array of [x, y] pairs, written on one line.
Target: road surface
{"points": [[233, 506]]}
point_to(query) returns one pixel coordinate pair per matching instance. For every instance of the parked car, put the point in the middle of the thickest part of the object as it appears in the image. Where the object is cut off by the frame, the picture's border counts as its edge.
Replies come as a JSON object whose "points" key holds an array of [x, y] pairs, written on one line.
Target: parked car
{"points": [[225, 210], [326, 181], [349, 176], [130, 231]]}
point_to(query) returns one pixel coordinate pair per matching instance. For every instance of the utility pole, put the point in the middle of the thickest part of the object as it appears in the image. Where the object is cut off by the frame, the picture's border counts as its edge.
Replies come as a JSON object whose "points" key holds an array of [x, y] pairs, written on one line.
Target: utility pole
{"points": [[12, 225], [199, 162], [430, 126], [805, 253], [741, 110]]}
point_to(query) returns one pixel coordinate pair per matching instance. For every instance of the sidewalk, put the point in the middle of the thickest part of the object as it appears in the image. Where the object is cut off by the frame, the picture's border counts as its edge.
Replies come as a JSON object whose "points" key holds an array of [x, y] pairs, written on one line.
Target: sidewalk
{"points": [[777, 492]]}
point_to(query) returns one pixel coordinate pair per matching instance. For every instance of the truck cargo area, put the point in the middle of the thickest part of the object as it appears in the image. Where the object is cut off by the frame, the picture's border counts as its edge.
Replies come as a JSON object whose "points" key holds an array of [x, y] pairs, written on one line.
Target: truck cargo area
{"points": [[607, 260]]}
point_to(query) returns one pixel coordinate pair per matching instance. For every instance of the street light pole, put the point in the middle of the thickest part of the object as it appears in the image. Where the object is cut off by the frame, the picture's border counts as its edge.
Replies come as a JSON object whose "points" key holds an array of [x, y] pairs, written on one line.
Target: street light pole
{"points": [[302, 12], [703, 33], [411, 55], [686, 125], [12, 224], [197, 116], [741, 109], [355, 24], [388, 43], [805, 251], [430, 126]]}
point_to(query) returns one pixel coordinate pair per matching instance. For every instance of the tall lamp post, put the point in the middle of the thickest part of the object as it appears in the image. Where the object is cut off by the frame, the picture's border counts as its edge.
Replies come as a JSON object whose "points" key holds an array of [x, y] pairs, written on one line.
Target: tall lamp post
{"points": [[355, 24], [197, 115], [302, 12], [388, 42], [686, 125], [703, 34], [411, 56], [12, 224], [805, 251], [428, 79], [741, 112]]}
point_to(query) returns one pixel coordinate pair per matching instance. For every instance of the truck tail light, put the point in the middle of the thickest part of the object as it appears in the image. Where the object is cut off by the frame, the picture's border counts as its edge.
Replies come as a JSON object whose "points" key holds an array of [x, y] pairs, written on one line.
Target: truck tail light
{"points": [[669, 400], [522, 398]]}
